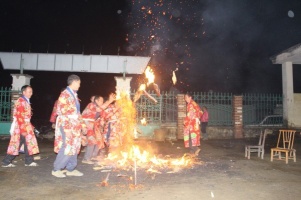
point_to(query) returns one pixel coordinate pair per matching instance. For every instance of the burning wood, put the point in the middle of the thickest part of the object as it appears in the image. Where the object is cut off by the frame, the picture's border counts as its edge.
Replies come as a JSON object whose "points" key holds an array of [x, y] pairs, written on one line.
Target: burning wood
{"points": [[150, 97], [106, 170], [98, 168], [122, 175], [105, 183], [138, 94], [103, 168], [150, 170], [157, 90], [142, 91]]}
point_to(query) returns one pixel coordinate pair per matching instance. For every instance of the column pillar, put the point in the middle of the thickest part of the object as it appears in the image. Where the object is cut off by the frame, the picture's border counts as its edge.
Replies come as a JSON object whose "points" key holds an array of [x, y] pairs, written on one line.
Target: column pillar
{"points": [[238, 116], [18, 81], [181, 115], [288, 92], [123, 86]]}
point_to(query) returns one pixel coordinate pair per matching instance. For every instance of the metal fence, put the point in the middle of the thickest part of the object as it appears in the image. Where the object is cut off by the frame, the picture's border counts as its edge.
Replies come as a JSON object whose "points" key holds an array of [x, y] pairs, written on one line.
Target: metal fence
{"points": [[219, 106], [164, 111], [255, 107], [5, 104]]}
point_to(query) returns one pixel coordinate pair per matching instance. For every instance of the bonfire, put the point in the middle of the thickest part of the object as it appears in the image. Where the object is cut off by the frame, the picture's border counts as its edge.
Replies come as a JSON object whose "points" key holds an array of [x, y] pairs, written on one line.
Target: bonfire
{"points": [[131, 157]]}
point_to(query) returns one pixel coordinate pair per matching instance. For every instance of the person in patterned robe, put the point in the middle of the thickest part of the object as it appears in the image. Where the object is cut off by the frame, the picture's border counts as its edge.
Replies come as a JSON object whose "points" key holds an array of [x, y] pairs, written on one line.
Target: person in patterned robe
{"points": [[22, 131], [53, 115], [192, 125], [68, 131], [112, 132], [91, 116]]}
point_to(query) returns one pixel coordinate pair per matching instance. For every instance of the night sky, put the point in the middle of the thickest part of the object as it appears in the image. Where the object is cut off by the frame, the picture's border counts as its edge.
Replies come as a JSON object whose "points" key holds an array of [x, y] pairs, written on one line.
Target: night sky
{"points": [[223, 46]]}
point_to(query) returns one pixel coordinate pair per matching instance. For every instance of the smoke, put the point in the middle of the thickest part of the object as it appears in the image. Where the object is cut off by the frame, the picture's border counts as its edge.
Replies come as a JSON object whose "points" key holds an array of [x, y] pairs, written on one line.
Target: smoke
{"points": [[163, 30], [232, 27], [217, 45]]}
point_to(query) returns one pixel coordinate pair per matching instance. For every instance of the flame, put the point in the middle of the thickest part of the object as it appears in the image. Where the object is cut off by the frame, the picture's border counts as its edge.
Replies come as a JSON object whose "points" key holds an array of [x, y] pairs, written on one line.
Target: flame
{"points": [[127, 118], [174, 78], [143, 121], [142, 87], [146, 160], [135, 133], [128, 152], [149, 74], [118, 94]]}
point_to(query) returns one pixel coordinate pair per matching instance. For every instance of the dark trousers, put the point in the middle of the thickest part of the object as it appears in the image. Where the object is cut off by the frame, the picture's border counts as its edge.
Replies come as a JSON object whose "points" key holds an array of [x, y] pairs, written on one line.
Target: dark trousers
{"points": [[203, 129], [28, 158]]}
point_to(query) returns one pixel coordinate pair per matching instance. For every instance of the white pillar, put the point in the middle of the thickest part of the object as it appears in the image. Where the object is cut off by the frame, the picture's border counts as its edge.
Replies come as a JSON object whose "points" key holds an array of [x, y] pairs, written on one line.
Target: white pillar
{"points": [[288, 92], [123, 85], [19, 80]]}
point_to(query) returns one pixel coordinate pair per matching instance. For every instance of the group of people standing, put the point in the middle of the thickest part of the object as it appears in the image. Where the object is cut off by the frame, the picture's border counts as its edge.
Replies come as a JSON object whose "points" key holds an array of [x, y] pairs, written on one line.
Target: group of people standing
{"points": [[96, 128], [92, 129]]}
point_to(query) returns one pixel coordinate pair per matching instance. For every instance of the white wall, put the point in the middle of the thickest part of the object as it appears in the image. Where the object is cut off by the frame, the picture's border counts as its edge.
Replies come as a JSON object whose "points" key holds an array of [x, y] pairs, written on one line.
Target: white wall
{"points": [[295, 119]]}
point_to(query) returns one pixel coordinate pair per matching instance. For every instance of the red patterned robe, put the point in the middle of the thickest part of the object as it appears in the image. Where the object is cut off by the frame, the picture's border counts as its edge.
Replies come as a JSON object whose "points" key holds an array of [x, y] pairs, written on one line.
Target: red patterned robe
{"points": [[99, 130], [113, 138], [191, 125], [22, 114], [69, 118], [89, 115], [54, 113]]}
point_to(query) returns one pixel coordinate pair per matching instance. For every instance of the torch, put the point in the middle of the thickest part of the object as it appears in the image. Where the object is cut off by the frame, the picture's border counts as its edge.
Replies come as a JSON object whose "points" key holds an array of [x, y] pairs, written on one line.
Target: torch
{"points": [[139, 92], [149, 96], [157, 90]]}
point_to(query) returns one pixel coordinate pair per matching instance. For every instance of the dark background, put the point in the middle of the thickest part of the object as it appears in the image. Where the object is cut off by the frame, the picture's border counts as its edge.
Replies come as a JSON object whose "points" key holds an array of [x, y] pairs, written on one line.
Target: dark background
{"points": [[219, 46]]}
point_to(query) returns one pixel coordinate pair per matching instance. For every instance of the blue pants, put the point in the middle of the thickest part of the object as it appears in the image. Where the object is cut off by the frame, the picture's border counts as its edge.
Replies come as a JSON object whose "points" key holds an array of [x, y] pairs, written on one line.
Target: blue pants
{"points": [[203, 129], [91, 152], [63, 161]]}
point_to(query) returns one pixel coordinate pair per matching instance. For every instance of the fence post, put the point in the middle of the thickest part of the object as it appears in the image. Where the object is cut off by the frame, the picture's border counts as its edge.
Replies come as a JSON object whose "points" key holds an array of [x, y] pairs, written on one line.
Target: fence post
{"points": [[238, 116], [181, 115]]}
